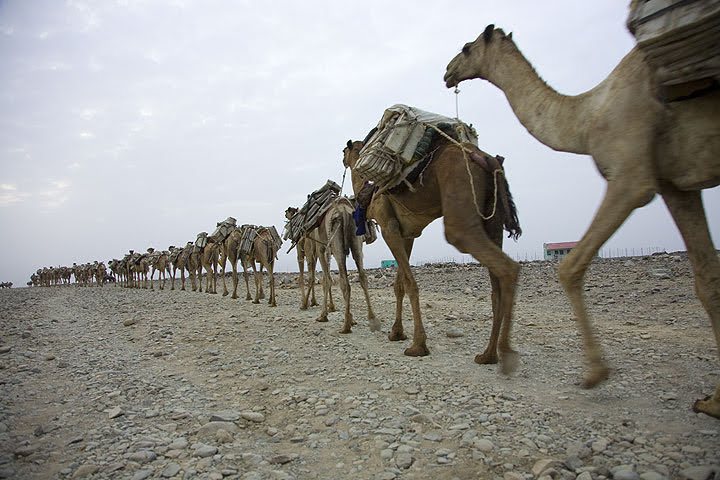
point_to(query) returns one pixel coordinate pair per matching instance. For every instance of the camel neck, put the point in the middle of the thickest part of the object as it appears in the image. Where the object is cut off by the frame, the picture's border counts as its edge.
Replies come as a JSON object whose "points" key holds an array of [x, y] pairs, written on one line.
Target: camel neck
{"points": [[554, 119]]}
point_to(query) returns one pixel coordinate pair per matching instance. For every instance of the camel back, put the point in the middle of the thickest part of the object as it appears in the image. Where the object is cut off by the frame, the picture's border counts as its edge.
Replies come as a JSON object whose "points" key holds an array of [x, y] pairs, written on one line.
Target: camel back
{"points": [[311, 214], [224, 229], [679, 38], [401, 138]]}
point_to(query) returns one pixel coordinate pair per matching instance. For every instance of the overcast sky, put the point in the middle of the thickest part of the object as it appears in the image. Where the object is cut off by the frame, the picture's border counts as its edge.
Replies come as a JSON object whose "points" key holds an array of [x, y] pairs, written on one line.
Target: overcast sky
{"points": [[134, 124]]}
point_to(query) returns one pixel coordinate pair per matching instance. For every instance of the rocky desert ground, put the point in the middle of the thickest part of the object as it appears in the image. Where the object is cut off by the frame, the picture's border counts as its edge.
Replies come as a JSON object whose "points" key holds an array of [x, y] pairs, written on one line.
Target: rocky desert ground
{"points": [[133, 384]]}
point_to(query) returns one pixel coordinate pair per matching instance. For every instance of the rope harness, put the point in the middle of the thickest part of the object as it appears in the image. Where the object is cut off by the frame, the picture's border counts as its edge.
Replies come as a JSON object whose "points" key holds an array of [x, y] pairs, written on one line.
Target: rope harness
{"points": [[465, 152]]}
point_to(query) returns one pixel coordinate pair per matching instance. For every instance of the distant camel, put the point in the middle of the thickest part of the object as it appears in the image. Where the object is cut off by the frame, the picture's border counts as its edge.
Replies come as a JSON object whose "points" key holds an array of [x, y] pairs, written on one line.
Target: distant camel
{"points": [[338, 233], [305, 254]]}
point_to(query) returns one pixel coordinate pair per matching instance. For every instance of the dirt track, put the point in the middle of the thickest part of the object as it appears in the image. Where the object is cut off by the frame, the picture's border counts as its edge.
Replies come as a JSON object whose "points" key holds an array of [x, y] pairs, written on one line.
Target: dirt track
{"points": [[122, 383]]}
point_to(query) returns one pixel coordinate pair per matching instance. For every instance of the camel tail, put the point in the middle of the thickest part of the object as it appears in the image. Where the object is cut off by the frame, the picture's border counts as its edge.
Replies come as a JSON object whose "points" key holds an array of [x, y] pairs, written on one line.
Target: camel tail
{"points": [[511, 223]]}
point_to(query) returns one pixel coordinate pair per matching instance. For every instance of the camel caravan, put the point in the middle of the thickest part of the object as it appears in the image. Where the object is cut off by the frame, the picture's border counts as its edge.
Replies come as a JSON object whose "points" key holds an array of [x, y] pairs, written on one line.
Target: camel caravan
{"points": [[414, 167]]}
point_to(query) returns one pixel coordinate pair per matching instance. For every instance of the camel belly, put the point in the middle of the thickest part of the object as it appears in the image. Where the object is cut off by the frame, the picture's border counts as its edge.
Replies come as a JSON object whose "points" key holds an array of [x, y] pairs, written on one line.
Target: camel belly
{"points": [[688, 152]]}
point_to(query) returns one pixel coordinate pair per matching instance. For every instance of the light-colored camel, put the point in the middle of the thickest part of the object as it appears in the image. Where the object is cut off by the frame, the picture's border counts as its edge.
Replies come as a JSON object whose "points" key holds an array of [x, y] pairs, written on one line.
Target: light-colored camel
{"points": [[179, 258], [444, 190], [640, 145], [209, 257], [304, 255], [158, 261], [264, 252], [231, 252], [337, 233]]}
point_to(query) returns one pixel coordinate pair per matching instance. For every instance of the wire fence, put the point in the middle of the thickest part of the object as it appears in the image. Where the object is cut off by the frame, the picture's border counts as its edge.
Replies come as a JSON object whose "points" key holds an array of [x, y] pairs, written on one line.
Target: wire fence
{"points": [[539, 255]]}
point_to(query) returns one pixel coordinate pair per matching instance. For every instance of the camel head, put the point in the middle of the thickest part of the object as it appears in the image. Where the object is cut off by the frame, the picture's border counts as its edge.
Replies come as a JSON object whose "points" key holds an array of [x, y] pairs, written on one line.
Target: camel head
{"points": [[150, 250], [474, 59], [290, 212], [351, 152]]}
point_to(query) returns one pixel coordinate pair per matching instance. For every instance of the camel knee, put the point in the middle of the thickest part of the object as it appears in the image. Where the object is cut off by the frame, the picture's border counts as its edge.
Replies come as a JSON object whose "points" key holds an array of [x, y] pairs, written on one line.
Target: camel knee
{"points": [[570, 274]]}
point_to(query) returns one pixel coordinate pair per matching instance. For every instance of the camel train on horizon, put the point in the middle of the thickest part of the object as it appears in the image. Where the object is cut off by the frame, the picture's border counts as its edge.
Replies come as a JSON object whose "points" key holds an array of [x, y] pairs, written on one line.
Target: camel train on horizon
{"points": [[673, 150]]}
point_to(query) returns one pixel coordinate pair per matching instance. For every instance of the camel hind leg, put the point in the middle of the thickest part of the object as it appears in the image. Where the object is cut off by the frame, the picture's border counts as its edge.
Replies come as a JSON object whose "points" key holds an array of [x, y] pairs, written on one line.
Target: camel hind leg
{"points": [[396, 332], [687, 210], [356, 250], [470, 236]]}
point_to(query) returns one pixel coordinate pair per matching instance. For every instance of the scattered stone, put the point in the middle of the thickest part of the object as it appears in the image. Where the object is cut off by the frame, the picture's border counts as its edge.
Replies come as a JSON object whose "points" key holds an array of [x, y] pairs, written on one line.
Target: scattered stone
{"points": [[115, 412], [85, 471], [256, 417]]}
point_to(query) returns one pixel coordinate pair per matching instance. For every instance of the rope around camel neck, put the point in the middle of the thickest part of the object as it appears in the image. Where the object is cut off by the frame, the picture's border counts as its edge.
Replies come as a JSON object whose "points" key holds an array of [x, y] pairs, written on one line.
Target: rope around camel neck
{"points": [[495, 173]]}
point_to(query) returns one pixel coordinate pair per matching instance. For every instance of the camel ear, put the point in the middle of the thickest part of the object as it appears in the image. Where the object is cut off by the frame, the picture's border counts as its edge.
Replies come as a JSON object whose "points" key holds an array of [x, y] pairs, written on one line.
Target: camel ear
{"points": [[509, 36], [349, 144], [487, 34]]}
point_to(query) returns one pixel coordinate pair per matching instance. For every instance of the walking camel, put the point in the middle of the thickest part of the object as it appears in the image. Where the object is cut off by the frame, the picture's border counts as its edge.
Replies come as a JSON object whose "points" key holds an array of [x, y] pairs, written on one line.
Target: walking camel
{"points": [[640, 145], [264, 251], [444, 190], [231, 252], [336, 236], [305, 254]]}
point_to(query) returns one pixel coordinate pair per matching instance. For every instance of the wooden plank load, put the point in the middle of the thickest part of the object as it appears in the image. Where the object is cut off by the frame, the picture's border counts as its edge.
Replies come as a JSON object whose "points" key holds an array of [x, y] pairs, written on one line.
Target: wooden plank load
{"points": [[402, 137], [248, 234], [277, 241], [224, 229], [679, 38], [201, 241], [311, 214]]}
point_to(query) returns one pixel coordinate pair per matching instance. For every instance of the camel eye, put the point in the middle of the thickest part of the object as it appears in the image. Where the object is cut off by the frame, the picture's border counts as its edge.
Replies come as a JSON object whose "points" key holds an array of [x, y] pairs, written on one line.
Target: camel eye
{"points": [[466, 49]]}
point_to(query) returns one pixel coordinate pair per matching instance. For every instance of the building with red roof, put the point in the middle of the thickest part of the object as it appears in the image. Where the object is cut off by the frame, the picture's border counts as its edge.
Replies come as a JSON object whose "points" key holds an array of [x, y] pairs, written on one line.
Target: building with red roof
{"points": [[556, 251]]}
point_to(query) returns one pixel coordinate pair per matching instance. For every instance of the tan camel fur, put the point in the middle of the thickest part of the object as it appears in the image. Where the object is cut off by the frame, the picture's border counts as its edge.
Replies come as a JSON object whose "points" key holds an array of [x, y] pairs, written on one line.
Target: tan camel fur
{"points": [[194, 267], [231, 251], [340, 231], [444, 190], [179, 257], [158, 262], [640, 145], [209, 261], [264, 253], [303, 255]]}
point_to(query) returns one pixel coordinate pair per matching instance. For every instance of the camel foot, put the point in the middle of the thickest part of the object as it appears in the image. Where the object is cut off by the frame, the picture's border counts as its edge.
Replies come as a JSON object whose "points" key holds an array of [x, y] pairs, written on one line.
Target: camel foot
{"points": [[708, 406], [487, 358], [225, 294], [332, 308], [509, 362], [303, 307], [272, 304], [417, 351], [396, 335], [374, 324], [234, 296], [322, 319], [346, 330], [256, 302], [314, 303], [248, 297], [596, 375]]}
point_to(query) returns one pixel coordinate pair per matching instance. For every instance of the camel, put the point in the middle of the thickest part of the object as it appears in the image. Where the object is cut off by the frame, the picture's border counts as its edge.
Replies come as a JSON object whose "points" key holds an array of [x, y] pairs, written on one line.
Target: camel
{"points": [[179, 258], [305, 254], [640, 145], [264, 252], [99, 272], [336, 236], [158, 261], [444, 190], [209, 261], [231, 251]]}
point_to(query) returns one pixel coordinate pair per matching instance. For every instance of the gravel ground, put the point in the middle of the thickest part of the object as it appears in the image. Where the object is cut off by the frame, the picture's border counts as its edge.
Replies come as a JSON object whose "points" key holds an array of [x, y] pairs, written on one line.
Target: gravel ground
{"points": [[125, 383]]}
